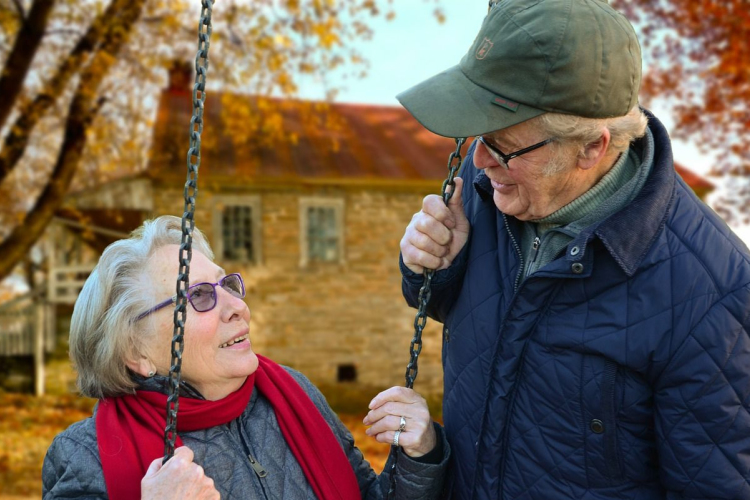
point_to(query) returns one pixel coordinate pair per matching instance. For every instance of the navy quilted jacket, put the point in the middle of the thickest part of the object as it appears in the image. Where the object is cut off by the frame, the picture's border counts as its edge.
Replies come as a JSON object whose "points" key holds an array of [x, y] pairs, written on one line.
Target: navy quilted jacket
{"points": [[621, 370]]}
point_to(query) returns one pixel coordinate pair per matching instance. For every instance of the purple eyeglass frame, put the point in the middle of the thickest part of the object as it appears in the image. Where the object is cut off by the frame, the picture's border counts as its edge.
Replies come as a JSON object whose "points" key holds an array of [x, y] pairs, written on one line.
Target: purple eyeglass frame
{"points": [[173, 298]]}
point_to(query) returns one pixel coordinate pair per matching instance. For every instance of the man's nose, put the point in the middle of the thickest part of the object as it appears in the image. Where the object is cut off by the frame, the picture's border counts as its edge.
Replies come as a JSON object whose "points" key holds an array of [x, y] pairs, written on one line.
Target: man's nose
{"points": [[482, 158]]}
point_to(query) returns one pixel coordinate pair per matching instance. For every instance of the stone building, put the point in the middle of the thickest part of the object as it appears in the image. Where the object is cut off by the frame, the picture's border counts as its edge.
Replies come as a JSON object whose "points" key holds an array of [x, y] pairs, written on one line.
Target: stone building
{"points": [[312, 221]]}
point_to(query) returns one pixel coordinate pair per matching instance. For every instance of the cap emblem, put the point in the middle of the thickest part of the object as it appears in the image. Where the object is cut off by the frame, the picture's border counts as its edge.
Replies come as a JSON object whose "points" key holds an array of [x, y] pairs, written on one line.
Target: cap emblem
{"points": [[505, 103], [484, 49]]}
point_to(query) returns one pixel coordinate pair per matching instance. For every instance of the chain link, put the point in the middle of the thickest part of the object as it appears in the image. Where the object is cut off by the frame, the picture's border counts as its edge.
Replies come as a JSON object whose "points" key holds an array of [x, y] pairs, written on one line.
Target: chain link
{"points": [[412, 370], [188, 225]]}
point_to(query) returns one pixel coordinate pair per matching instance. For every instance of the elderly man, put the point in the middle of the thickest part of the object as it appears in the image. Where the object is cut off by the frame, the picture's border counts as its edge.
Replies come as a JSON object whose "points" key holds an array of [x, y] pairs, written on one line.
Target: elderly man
{"points": [[596, 312]]}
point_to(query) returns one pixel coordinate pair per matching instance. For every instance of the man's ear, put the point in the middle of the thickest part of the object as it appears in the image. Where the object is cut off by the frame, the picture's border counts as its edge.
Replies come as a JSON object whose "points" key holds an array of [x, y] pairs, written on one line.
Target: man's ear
{"points": [[594, 151], [142, 367]]}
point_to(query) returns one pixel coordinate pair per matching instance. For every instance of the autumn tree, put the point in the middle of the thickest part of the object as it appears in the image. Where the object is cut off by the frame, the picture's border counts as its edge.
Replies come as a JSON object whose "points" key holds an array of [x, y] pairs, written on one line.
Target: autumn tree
{"points": [[80, 78], [697, 55]]}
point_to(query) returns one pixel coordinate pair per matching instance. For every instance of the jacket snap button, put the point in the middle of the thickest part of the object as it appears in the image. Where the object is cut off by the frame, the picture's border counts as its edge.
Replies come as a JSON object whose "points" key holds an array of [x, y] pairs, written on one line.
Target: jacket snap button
{"points": [[577, 268], [574, 251], [597, 426]]}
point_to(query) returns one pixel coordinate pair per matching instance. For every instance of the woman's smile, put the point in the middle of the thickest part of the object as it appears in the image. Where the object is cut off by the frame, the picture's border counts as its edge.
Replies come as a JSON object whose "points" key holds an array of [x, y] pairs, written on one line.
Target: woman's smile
{"points": [[241, 342]]}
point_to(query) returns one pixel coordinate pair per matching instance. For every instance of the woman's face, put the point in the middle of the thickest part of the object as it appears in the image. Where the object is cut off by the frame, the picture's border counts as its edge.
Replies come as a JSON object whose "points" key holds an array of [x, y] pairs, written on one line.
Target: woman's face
{"points": [[209, 364]]}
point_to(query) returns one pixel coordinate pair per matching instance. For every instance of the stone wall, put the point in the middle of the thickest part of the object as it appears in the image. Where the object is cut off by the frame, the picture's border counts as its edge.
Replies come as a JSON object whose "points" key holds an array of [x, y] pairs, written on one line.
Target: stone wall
{"points": [[326, 315]]}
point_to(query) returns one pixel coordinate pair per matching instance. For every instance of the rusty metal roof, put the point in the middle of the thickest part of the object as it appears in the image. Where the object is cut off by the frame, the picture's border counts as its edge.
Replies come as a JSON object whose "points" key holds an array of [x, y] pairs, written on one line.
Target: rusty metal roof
{"points": [[335, 141], [323, 142]]}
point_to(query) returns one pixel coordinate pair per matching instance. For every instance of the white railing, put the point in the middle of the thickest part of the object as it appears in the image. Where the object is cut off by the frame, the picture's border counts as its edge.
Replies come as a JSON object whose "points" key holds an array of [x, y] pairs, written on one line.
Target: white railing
{"points": [[20, 319], [65, 283]]}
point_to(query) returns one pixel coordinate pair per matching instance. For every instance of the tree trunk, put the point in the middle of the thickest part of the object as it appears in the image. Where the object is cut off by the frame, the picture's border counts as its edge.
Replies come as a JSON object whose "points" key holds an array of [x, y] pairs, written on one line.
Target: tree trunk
{"points": [[81, 113], [29, 115], [21, 55]]}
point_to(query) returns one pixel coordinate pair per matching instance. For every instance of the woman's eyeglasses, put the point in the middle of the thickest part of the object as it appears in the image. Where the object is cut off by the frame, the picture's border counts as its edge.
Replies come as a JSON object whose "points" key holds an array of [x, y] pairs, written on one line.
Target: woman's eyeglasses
{"points": [[203, 297], [503, 158]]}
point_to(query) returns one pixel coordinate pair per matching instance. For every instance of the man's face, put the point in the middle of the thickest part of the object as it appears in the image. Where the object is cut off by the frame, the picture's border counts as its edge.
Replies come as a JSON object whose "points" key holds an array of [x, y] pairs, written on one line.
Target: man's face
{"points": [[525, 190]]}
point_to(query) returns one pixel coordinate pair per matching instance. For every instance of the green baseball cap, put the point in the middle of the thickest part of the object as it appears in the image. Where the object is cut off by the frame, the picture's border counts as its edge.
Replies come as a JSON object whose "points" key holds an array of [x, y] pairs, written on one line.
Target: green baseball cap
{"points": [[578, 57]]}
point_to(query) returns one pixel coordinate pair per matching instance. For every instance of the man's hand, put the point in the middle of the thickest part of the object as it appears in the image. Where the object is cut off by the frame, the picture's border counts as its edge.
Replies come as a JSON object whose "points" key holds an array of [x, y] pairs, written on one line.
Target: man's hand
{"points": [[179, 478], [436, 234]]}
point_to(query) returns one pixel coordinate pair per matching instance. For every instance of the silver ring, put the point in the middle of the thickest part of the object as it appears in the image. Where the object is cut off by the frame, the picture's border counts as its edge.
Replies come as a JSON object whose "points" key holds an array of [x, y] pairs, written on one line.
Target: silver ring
{"points": [[395, 438], [402, 425]]}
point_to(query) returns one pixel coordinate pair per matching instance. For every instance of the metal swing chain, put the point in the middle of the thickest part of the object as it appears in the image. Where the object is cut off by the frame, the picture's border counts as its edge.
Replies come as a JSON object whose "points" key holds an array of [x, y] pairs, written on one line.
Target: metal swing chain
{"points": [[454, 163], [412, 370], [188, 225]]}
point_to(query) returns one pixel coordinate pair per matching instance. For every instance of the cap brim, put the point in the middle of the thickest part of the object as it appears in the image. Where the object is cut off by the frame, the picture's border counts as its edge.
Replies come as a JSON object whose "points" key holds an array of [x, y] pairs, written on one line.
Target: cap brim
{"points": [[451, 105]]}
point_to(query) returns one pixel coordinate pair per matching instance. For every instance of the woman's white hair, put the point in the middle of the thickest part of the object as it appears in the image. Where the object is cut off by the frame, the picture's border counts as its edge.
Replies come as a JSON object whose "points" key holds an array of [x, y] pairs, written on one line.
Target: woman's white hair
{"points": [[575, 132], [103, 330]]}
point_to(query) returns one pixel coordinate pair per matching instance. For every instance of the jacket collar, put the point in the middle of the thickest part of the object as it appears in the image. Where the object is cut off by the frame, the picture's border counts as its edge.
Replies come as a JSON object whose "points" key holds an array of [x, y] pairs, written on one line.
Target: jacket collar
{"points": [[629, 233]]}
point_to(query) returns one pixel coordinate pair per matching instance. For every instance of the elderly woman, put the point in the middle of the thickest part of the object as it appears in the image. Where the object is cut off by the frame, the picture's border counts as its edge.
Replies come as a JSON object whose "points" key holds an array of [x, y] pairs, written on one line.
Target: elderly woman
{"points": [[247, 427]]}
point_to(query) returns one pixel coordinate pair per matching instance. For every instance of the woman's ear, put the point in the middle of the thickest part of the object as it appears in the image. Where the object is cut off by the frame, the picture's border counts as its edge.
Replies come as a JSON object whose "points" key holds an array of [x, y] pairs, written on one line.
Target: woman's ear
{"points": [[142, 367], [594, 152]]}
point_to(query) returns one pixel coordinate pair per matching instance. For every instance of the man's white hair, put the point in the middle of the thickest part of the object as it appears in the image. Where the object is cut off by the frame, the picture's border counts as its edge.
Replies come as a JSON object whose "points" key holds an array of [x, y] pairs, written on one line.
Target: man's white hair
{"points": [[103, 330], [574, 133]]}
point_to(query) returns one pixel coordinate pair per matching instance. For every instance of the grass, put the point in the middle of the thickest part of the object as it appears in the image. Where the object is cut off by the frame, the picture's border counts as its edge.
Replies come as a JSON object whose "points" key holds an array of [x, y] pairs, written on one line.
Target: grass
{"points": [[28, 424]]}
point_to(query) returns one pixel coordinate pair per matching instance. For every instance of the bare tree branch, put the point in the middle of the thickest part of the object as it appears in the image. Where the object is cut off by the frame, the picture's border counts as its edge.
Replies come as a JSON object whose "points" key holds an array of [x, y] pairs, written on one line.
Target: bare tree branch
{"points": [[24, 48], [29, 115], [152, 19], [80, 115], [19, 9], [64, 31]]}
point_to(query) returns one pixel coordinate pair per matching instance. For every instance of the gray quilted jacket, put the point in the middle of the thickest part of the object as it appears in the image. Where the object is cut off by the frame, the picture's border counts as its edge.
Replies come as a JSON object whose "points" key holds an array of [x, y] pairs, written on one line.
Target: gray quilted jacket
{"points": [[72, 468]]}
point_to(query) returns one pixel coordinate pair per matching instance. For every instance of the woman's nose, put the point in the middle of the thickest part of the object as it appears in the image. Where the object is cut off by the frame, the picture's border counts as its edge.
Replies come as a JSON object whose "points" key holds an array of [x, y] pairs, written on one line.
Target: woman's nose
{"points": [[233, 305]]}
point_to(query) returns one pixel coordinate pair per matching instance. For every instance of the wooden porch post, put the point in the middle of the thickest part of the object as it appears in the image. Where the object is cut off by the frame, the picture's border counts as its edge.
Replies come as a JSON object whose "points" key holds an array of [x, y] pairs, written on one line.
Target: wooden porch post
{"points": [[39, 329]]}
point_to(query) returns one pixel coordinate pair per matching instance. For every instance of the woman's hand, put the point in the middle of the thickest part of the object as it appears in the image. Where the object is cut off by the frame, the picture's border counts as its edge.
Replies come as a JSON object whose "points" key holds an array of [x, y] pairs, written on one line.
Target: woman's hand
{"points": [[418, 435], [179, 478]]}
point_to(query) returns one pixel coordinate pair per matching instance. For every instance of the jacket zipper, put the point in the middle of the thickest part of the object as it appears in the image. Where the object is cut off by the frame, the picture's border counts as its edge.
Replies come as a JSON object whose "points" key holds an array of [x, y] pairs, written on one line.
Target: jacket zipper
{"points": [[259, 470], [535, 247], [497, 346], [512, 395], [518, 250]]}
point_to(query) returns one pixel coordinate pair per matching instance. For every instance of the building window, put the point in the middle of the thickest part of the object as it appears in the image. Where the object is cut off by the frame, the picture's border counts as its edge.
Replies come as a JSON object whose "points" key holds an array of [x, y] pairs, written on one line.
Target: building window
{"points": [[322, 234], [346, 373], [321, 231], [237, 229]]}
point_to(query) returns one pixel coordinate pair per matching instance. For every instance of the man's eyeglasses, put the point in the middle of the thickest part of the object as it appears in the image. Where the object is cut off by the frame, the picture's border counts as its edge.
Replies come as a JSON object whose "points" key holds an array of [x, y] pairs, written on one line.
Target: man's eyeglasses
{"points": [[202, 296], [503, 158]]}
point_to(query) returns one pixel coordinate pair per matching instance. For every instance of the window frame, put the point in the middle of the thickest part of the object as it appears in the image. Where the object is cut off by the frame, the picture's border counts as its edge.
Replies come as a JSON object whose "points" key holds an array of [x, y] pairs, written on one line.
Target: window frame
{"points": [[305, 203], [220, 202]]}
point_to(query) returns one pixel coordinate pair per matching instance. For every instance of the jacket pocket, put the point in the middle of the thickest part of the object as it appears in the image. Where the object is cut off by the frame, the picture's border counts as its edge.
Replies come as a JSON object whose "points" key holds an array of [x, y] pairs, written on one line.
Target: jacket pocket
{"points": [[447, 332], [609, 414], [446, 341], [600, 422]]}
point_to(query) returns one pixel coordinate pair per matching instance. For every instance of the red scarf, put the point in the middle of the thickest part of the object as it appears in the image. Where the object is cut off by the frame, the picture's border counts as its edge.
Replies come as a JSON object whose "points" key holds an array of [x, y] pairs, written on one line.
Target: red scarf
{"points": [[130, 433]]}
